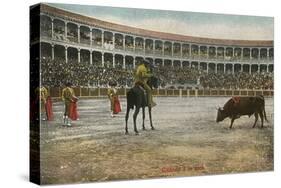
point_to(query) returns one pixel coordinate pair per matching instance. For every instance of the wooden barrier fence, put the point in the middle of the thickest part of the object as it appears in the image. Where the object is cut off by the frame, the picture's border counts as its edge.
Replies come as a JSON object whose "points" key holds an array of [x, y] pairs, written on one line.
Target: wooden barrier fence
{"points": [[102, 92]]}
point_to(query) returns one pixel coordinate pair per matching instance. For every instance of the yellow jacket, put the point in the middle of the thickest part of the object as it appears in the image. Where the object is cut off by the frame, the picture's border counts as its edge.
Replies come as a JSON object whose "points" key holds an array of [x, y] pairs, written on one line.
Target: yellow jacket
{"points": [[111, 92], [67, 94], [43, 94], [142, 74]]}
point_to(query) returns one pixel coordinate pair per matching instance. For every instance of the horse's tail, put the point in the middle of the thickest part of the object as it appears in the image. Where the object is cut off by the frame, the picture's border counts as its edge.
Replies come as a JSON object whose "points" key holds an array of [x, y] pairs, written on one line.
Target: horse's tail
{"points": [[130, 99]]}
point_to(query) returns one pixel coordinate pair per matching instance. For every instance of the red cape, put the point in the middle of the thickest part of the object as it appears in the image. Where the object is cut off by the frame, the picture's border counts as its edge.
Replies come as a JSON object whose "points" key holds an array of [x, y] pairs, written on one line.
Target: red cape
{"points": [[49, 109], [117, 106], [73, 115]]}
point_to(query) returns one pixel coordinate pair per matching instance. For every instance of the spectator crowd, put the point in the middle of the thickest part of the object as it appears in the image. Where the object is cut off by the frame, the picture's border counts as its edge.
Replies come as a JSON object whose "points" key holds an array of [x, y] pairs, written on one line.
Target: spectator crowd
{"points": [[56, 73]]}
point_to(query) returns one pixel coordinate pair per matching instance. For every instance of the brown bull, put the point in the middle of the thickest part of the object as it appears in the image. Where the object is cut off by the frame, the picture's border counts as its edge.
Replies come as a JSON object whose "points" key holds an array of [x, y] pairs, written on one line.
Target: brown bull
{"points": [[239, 106]]}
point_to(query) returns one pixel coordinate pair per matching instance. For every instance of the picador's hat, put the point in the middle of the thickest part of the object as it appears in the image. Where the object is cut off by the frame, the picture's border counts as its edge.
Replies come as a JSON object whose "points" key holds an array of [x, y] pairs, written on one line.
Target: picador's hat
{"points": [[68, 84], [146, 62], [112, 83]]}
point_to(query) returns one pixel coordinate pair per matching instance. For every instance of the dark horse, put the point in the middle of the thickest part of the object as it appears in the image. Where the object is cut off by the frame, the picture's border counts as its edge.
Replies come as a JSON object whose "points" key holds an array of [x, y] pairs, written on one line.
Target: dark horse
{"points": [[137, 98]]}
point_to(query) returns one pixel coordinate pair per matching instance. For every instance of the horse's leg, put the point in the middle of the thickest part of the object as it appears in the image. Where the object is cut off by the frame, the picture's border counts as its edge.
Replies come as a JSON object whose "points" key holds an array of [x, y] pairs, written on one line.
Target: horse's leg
{"points": [[143, 118], [135, 118], [150, 118], [126, 119]]}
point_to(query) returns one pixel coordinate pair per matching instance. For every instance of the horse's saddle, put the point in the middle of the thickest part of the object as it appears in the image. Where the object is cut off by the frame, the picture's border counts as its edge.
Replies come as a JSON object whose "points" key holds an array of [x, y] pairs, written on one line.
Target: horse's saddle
{"points": [[141, 87]]}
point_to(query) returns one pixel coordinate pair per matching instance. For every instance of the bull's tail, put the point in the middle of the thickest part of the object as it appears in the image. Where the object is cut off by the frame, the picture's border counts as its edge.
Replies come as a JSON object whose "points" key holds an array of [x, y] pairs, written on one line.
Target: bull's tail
{"points": [[264, 113]]}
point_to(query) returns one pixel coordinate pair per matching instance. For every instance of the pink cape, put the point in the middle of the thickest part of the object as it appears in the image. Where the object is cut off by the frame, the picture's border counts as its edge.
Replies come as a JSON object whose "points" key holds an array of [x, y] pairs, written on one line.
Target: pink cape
{"points": [[49, 109], [73, 115], [117, 106]]}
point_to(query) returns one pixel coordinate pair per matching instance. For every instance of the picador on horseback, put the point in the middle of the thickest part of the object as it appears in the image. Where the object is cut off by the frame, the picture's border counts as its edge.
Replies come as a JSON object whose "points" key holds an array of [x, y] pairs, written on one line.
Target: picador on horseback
{"points": [[140, 95]]}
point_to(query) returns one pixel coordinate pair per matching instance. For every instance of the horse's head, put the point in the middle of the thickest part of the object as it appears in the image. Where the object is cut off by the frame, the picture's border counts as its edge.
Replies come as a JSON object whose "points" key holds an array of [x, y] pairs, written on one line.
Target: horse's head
{"points": [[153, 82]]}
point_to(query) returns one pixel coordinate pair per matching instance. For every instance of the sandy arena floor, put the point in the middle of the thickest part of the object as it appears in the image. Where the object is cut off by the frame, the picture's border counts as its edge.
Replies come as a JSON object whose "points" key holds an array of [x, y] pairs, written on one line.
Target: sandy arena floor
{"points": [[187, 142]]}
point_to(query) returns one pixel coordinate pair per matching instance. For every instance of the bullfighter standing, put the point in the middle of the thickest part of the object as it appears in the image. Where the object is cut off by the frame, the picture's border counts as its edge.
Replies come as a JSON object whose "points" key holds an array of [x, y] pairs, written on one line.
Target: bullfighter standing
{"points": [[43, 100], [112, 94], [68, 96]]}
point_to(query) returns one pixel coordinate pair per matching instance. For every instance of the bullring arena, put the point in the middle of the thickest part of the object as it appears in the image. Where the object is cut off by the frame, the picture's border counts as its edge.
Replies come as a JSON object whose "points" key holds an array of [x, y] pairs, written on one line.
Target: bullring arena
{"points": [[187, 141], [196, 75]]}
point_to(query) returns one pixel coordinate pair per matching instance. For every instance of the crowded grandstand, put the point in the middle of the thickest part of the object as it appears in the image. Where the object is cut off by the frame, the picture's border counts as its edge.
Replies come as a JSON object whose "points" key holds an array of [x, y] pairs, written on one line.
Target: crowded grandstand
{"points": [[89, 53], [55, 72]]}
